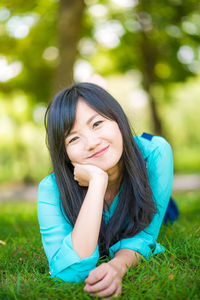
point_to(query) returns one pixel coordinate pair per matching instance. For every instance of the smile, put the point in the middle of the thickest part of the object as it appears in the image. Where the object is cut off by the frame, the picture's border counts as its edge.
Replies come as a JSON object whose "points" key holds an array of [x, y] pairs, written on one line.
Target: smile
{"points": [[100, 153]]}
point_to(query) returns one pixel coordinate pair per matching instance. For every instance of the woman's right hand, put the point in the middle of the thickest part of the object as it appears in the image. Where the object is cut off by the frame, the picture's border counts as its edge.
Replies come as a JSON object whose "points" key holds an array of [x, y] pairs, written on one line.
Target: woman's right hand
{"points": [[85, 174]]}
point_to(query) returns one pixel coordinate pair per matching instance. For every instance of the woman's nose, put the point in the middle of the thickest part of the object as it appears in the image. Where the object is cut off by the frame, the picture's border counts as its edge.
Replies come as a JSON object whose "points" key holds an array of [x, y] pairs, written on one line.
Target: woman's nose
{"points": [[92, 141]]}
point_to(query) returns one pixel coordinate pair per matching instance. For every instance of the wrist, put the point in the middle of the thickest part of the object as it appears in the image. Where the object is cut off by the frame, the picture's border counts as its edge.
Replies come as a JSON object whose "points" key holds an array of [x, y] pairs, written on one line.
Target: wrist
{"points": [[119, 264], [126, 258], [99, 179]]}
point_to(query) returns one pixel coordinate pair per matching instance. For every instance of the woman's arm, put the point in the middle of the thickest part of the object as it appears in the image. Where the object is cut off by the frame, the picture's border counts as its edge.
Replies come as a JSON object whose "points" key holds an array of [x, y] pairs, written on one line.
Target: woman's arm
{"points": [[56, 232], [86, 229], [160, 172], [125, 258]]}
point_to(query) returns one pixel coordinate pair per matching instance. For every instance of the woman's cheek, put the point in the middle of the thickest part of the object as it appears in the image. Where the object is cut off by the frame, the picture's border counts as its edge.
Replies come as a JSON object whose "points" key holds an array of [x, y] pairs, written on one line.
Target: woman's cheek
{"points": [[70, 153], [74, 154]]}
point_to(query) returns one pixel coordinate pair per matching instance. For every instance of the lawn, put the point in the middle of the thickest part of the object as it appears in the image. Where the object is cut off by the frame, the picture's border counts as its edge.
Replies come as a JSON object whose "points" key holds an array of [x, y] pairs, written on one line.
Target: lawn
{"points": [[174, 274]]}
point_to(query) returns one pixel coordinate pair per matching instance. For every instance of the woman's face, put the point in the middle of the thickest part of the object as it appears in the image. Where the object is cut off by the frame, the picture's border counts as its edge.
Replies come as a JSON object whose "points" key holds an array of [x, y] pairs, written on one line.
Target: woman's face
{"points": [[94, 139]]}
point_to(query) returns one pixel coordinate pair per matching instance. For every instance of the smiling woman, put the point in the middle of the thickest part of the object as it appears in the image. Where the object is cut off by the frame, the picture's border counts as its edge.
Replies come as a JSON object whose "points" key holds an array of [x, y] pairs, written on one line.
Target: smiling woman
{"points": [[94, 136], [108, 194]]}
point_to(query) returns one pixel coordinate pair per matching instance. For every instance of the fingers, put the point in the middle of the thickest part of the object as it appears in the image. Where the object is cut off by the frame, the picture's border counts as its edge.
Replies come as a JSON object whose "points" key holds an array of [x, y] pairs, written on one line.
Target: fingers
{"points": [[111, 290], [102, 282], [97, 274], [100, 285], [118, 291], [76, 177]]}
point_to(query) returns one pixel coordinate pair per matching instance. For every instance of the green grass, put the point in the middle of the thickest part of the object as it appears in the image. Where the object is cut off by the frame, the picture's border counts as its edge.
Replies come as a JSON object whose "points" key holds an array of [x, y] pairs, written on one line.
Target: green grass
{"points": [[174, 274]]}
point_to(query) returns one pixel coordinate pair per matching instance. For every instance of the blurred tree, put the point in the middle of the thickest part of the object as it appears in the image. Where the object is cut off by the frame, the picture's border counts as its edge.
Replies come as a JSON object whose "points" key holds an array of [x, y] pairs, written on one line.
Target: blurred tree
{"points": [[41, 40], [158, 38], [69, 23], [28, 36], [41, 36], [167, 47]]}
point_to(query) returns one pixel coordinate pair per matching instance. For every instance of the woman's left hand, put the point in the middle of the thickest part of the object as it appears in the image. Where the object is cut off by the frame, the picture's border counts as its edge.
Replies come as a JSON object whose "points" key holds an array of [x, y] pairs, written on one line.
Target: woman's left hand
{"points": [[105, 280]]}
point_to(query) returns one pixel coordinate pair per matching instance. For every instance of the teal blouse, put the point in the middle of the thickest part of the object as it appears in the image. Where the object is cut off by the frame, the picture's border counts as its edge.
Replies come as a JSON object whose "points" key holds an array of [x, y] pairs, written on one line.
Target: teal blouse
{"points": [[56, 232]]}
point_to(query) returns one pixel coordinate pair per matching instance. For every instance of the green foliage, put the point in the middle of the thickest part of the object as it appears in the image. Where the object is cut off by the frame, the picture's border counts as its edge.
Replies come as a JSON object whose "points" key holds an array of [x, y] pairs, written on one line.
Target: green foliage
{"points": [[150, 30], [173, 274], [149, 39], [23, 153], [37, 73], [154, 32]]}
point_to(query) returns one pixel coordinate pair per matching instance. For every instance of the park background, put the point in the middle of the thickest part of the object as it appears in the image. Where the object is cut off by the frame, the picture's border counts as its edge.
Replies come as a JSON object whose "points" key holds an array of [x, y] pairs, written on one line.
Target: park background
{"points": [[148, 52], [148, 56]]}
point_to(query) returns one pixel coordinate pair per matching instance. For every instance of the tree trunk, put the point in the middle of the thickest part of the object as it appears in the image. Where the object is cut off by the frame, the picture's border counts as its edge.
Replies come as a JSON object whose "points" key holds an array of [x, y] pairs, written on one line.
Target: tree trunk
{"points": [[150, 57], [69, 24], [156, 119]]}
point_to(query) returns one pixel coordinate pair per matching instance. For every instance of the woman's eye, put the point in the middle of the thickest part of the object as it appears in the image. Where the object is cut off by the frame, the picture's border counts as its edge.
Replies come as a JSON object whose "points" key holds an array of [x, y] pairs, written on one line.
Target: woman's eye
{"points": [[97, 123], [73, 139]]}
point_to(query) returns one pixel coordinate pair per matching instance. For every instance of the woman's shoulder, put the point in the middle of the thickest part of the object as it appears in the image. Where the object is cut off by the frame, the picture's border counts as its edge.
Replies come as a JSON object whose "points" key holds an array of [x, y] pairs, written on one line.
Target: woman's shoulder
{"points": [[48, 187], [148, 143], [49, 180]]}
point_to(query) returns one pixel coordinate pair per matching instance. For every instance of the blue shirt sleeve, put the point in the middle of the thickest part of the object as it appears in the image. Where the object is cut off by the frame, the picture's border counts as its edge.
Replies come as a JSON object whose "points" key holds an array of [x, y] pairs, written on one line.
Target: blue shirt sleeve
{"points": [[56, 231], [160, 173]]}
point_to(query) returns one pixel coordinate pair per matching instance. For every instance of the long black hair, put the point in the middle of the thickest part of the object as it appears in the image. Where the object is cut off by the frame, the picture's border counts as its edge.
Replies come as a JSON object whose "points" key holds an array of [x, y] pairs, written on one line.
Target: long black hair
{"points": [[136, 207]]}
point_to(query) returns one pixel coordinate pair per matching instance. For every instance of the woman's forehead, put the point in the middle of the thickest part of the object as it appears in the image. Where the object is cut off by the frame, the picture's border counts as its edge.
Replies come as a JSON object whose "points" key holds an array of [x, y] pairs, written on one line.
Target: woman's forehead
{"points": [[85, 113], [83, 109]]}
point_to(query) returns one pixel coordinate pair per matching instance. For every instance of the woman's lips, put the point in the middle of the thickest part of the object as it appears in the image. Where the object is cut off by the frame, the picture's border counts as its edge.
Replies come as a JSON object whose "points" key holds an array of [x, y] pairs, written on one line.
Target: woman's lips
{"points": [[101, 152]]}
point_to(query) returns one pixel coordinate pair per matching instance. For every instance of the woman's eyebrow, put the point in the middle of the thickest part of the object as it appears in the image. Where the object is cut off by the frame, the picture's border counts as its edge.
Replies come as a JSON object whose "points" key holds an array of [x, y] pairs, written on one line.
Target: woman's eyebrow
{"points": [[88, 121], [91, 118]]}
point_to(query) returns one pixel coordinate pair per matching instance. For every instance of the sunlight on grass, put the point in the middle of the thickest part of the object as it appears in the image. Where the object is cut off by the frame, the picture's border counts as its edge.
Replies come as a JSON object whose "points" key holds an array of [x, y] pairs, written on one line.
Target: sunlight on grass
{"points": [[170, 275]]}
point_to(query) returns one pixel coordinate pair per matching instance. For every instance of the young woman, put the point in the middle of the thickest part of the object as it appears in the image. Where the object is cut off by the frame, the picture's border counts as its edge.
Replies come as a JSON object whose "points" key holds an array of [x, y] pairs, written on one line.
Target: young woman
{"points": [[108, 194]]}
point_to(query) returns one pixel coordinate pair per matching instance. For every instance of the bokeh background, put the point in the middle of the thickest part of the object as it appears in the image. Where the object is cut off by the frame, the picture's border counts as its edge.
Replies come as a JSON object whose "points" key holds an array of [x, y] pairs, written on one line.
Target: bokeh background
{"points": [[146, 52]]}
